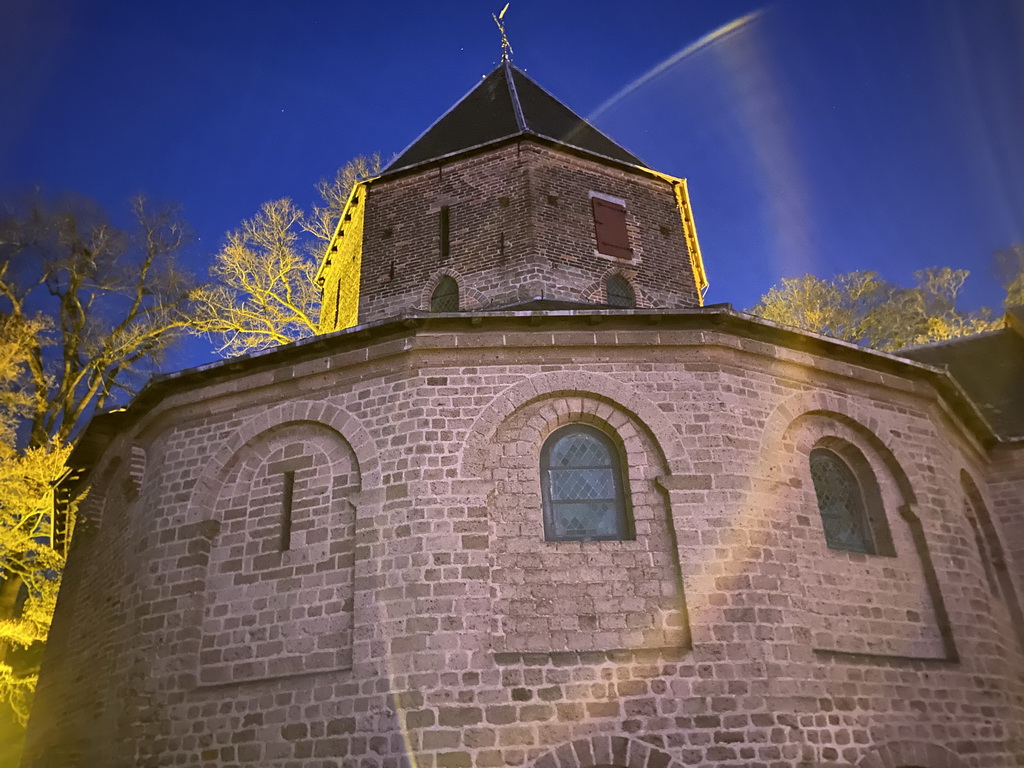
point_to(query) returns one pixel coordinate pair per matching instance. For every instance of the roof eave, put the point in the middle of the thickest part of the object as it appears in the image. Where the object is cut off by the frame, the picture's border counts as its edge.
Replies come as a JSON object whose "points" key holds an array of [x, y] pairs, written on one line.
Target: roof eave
{"points": [[103, 428], [528, 136]]}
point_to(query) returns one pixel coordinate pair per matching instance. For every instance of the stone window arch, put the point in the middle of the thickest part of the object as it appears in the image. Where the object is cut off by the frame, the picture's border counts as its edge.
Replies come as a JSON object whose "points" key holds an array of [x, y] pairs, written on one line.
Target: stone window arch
{"points": [[546, 591], [991, 553], [285, 502], [849, 501], [445, 297], [582, 488], [902, 585], [619, 292]]}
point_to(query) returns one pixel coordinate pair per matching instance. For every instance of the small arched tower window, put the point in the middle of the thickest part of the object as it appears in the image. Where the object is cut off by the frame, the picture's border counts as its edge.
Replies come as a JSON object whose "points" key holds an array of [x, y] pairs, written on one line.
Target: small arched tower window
{"points": [[620, 292], [445, 297], [841, 503], [582, 487]]}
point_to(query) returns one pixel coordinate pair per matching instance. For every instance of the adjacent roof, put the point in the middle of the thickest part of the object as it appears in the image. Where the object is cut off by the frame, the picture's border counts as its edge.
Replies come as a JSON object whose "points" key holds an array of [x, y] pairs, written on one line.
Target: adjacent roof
{"points": [[990, 369], [504, 105]]}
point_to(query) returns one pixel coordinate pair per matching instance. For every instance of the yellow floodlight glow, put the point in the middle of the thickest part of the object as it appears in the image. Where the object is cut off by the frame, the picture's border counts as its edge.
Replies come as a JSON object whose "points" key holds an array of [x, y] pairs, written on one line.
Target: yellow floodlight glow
{"points": [[340, 270]]}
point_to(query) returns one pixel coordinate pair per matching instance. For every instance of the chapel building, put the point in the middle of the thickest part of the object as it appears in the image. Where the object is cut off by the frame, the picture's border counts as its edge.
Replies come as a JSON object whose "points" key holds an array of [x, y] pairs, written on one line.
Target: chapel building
{"points": [[528, 502]]}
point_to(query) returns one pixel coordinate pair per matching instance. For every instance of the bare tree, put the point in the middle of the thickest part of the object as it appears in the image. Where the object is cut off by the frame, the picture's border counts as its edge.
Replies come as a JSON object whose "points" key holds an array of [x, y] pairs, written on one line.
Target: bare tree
{"points": [[114, 299], [262, 294], [86, 309], [862, 308], [1010, 267], [333, 193]]}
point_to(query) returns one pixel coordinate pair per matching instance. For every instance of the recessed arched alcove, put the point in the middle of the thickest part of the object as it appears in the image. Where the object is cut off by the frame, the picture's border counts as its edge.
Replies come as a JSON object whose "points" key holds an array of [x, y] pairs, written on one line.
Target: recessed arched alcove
{"points": [[992, 553], [279, 585], [886, 599], [594, 592], [911, 754], [606, 752], [573, 384], [448, 291], [501, 457], [276, 509]]}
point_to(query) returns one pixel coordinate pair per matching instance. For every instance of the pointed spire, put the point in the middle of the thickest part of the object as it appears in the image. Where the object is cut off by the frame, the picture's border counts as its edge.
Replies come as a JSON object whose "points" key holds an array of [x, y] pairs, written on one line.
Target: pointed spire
{"points": [[504, 105]]}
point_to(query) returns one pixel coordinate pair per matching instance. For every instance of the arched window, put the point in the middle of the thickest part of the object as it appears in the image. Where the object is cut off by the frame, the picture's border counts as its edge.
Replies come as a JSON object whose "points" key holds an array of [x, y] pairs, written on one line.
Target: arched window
{"points": [[581, 484], [445, 297], [841, 503], [620, 292]]}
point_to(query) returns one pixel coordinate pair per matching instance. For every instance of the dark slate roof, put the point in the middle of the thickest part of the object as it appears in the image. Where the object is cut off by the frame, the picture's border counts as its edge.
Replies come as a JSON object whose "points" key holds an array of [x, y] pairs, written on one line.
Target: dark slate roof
{"points": [[989, 368], [504, 105]]}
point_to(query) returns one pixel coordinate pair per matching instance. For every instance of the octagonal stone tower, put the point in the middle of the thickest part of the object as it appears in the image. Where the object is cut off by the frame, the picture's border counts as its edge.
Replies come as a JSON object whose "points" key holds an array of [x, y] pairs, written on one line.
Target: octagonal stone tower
{"points": [[511, 197]]}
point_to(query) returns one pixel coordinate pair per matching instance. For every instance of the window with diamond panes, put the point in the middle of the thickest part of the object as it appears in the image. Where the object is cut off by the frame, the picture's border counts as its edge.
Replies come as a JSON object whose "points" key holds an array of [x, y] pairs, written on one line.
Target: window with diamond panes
{"points": [[582, 488], [841, 503], [620, 292], [445, 297]]}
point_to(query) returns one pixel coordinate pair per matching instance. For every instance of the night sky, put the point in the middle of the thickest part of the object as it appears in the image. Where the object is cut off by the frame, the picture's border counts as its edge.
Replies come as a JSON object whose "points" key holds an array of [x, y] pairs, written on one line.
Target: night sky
{"points": [[816, 136]]}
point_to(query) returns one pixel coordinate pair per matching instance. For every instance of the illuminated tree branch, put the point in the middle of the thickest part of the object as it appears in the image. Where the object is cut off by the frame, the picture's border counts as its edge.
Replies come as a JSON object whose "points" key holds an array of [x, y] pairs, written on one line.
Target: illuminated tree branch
{"points": [[263, 292], [862, 308], [109, 302]]}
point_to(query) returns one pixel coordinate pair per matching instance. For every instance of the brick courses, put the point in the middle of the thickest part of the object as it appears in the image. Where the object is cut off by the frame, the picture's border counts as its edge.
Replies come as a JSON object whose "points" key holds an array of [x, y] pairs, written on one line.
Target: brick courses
{"points": [[726, 634], [332, 554], [521, 227]]}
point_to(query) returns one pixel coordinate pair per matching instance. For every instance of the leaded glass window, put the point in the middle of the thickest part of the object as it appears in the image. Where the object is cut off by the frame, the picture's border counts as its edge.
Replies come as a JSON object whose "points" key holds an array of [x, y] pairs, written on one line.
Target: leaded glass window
{"points": [[840, 502], [620, 293], [581, 483], [445, 297]]}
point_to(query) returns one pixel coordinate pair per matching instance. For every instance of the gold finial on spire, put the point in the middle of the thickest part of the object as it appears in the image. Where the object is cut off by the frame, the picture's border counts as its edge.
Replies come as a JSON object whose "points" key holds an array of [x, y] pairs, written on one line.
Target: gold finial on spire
{"points": [[506, 48]]}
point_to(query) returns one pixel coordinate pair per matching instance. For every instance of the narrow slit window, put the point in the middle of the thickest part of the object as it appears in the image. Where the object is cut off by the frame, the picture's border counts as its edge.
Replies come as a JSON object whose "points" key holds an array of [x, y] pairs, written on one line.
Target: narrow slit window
{"points": [[610, 228], [286, 510], [444, 221]]}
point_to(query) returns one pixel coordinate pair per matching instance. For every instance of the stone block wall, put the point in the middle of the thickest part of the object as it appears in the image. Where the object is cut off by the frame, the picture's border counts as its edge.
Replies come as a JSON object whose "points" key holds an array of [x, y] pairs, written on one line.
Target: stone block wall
{"points": [[90, 650], [442, 630], [880, 604], [279, 581], [997, 506], [580, 596]]}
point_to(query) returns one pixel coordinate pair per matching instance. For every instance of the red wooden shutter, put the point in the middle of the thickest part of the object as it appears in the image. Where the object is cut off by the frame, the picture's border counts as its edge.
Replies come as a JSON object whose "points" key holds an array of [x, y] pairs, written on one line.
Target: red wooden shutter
{"points": [[610, 228]]}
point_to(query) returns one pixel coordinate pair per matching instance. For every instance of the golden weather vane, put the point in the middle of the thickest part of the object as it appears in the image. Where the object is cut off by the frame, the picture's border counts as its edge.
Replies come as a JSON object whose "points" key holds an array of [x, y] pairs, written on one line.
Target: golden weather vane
{"points": [[506, 48]]}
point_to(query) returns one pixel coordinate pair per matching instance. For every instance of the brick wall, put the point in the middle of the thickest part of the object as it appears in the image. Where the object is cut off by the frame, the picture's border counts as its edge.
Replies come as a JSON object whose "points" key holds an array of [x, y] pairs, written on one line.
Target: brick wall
{"points": [[521, 227], [858, 603], [726, 633], [490, 230], [659, 268], [341, 267]]}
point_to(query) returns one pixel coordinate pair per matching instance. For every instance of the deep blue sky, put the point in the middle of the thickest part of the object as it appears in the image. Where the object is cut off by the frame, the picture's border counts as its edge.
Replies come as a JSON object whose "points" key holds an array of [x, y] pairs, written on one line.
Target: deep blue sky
{"points": [[819, 136]]}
